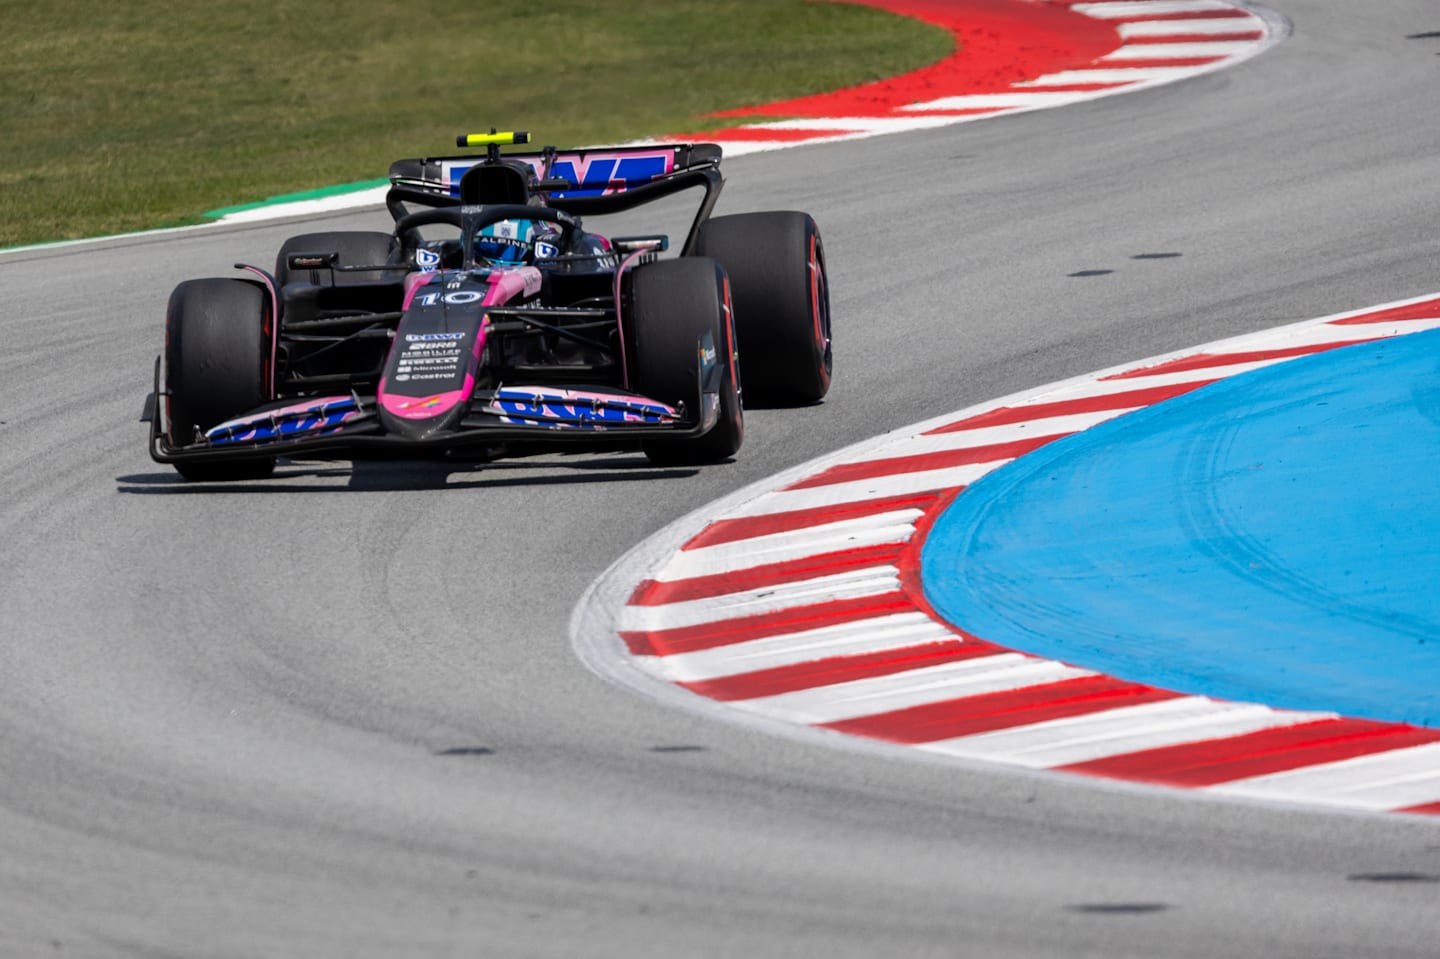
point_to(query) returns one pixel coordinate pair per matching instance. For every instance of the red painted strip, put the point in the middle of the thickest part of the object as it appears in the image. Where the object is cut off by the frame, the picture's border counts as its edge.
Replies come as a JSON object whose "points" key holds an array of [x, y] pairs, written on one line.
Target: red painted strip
{"points": [[797, 619], [944, 459], [910, 579], [1082, 404], [749, 527], [1205, 361], [656, 593], [1427, 310], [1258, 753], [837, 669], [990, 711], [997, 43], [1427, 809]]}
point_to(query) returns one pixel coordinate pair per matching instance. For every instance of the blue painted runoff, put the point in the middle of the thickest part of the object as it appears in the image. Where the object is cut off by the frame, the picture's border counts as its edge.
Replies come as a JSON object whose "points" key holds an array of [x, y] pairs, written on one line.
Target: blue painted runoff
{"points": [[1273, 538]]}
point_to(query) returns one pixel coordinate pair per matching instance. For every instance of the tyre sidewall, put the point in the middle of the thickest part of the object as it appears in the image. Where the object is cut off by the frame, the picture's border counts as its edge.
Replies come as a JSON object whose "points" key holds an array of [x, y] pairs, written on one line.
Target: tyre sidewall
{"points": [[673, 303], [218, 353], [776, 264]]}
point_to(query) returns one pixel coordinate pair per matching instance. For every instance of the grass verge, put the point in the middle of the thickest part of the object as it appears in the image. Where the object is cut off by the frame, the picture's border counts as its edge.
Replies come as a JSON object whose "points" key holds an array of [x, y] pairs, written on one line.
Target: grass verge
{"points": [[148, 113]]}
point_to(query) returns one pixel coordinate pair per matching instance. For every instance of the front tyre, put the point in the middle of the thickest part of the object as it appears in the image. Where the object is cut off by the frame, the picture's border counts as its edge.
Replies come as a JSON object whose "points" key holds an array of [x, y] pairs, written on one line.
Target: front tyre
{"points": [[674, 303], [776, 265], [217, 361]]}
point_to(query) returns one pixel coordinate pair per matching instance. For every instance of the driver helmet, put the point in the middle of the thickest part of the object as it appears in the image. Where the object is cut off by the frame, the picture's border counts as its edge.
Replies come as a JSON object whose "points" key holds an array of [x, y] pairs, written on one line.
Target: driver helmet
{"points": [[507, 243]]}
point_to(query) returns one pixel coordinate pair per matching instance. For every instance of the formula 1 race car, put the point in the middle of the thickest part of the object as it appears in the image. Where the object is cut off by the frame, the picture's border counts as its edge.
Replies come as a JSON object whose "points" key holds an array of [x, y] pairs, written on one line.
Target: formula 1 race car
{"points": [[490, 323]]}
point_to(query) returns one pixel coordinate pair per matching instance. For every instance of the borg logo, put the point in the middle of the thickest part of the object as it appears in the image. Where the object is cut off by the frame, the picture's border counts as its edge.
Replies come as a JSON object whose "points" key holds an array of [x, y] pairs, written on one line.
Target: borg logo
{"points": [[583, 413], [319, 419]]}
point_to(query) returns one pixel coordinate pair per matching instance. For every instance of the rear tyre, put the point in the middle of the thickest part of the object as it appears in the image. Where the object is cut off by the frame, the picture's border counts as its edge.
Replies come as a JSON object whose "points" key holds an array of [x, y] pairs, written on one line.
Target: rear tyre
{"points": [[776, 265], [356, 248], [673, 304], [217, 358]]}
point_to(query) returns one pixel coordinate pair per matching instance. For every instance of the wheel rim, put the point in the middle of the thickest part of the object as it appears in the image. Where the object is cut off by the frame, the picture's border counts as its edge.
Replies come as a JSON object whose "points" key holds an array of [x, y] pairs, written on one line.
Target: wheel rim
{"points": [[820, 300]]}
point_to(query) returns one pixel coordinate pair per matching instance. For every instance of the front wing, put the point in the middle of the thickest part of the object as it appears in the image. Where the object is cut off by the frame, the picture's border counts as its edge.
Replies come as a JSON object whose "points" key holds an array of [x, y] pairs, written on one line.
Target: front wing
{"points": [[506, 421]]}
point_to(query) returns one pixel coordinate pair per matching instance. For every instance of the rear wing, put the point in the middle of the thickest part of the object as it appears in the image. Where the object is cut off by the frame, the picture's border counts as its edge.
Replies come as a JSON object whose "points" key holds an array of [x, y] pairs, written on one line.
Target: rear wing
{"points": [[597, 180]]}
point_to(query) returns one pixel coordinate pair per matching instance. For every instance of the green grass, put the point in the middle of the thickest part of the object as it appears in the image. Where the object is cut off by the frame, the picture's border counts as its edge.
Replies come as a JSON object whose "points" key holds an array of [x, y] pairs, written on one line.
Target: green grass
{"points": [[141, 113]]}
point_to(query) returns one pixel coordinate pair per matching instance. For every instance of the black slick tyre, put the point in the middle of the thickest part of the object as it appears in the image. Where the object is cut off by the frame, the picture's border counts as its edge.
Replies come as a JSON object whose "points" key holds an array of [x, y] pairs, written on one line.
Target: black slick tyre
{"points": [[217, 360], [776, 265], [674, 303], [355, 247]]}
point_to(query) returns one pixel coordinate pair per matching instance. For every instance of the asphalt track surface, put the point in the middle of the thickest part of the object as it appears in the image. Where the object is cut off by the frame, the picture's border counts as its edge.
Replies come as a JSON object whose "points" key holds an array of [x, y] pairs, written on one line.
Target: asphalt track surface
{"points": [[336, 713]]}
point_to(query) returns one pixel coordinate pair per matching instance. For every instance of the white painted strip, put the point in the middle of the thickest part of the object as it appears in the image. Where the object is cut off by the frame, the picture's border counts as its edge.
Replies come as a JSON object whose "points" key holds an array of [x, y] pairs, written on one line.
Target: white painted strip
{"points": [[880, 487], [1217, 370], [874, 635], [1199, 27], [736, 148], [1389, 780], [1043, 426], [768, 599], [1078, 390], [1177, 51], [1321, 336], [835, 530], [856, 124], [916, 687], [1111, 75], [1115, 732], [1042, 431], [329, 204], [1137, 379], [1136, 9], [1318, 335], [1060, 425], [998, 101], [896, 517], [1134, 378], [781, 547]]}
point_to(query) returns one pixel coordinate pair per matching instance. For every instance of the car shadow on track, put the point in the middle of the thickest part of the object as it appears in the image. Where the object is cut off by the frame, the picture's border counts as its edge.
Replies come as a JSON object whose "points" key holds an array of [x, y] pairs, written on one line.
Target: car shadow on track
{"points": [[400, 475]]}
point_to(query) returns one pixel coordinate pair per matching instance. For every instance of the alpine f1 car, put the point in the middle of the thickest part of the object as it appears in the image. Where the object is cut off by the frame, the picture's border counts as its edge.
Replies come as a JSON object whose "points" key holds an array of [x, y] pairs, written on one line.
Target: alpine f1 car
{"points": [[490, 323]]}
